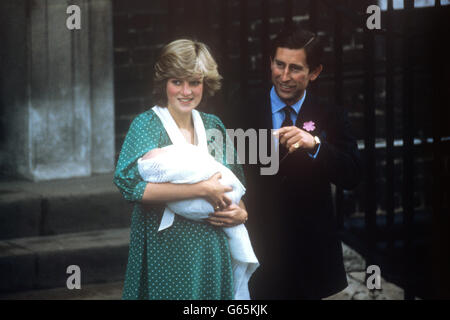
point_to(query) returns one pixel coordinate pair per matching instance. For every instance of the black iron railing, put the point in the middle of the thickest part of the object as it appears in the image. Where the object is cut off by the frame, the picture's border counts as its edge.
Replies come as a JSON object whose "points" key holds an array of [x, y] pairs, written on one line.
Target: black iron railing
{"points": [[404, 229]]}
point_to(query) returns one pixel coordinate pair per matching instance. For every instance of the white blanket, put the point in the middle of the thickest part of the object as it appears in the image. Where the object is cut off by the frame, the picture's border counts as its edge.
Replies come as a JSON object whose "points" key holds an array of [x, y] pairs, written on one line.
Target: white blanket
{"points": [[186, 163]]}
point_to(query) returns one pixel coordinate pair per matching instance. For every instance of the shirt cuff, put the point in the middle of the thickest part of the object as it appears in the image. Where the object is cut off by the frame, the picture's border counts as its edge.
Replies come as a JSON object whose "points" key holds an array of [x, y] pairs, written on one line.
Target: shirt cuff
{"points": [[315, 154]]}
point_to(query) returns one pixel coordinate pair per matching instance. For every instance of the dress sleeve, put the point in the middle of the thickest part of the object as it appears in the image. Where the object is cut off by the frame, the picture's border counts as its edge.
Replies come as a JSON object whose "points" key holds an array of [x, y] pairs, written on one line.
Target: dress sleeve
{"points": [[142, 137]]}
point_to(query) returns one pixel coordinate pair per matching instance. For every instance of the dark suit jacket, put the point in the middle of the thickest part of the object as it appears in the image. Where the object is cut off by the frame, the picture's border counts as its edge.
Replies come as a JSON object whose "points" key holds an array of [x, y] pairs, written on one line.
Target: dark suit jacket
{"points": [[291, 214]]}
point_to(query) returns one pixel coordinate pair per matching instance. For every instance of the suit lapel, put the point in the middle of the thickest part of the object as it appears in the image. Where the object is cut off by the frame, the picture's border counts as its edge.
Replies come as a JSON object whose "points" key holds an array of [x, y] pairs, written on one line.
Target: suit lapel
{"points": [[310, 114], [305, 112]]}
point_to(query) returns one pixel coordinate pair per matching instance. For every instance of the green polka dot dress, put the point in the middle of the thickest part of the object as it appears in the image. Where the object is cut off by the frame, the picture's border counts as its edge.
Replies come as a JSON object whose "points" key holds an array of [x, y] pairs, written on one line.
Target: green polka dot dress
{"points": [[189, 260]]}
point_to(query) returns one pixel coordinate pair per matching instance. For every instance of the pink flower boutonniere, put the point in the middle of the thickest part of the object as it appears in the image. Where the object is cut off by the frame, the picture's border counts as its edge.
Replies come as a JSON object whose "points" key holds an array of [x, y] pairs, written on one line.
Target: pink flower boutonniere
{"points": [[309, 126]]}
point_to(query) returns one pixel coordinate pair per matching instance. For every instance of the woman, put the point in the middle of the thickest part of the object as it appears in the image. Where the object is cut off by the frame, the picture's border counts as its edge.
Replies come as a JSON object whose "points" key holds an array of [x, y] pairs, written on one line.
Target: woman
{"points": [[189, 260]]}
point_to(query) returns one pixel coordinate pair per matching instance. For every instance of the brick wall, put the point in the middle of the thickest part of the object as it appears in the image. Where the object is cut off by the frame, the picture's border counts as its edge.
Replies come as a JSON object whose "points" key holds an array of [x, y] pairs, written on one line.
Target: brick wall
{"points": [[138, 29]]}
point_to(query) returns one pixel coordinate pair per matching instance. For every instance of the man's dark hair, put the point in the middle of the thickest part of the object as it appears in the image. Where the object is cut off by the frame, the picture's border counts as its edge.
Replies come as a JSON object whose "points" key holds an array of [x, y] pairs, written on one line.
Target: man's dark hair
{"points": [[293, 38]]}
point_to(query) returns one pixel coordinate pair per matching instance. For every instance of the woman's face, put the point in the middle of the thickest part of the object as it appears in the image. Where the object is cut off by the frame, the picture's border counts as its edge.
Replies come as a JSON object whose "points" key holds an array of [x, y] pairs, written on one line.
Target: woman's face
{"points": [[184, 95]]}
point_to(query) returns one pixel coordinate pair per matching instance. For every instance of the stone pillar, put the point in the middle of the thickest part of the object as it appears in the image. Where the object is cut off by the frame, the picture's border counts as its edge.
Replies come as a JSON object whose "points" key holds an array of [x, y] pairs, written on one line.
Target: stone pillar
{"points": [[57, 94]]}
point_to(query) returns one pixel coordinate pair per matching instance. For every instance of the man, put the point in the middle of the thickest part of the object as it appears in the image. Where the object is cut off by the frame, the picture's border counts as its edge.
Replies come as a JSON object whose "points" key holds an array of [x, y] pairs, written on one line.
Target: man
{"points": [[291, 216]]}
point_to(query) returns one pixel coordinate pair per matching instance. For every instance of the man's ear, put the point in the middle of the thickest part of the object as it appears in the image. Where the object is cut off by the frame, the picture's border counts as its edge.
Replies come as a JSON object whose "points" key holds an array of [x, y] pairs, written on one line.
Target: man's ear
{"points": [[315, 73]]}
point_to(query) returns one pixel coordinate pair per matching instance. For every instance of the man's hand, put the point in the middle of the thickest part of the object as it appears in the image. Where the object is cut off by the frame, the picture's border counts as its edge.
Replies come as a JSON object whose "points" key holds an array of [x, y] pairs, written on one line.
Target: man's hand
{"points": [[294, 138]]}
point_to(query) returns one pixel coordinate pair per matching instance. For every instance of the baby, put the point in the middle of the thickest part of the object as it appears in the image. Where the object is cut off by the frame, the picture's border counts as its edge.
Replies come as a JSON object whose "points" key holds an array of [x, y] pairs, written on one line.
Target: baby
{"points": [[186, 163]]}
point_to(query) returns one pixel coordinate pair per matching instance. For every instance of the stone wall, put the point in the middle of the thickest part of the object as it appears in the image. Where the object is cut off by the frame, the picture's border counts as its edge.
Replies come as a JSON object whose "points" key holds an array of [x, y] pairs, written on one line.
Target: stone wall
{"points": [[57, 90]]}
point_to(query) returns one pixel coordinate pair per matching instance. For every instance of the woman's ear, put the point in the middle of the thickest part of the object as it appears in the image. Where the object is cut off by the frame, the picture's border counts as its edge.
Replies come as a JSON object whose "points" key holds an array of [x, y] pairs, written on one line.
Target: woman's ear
{"points": [[315, 73]]}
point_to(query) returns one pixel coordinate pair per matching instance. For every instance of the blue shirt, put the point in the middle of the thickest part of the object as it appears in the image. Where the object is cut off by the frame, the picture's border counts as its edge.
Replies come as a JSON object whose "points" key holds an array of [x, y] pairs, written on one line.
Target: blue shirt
{"points": [[278, 114]]}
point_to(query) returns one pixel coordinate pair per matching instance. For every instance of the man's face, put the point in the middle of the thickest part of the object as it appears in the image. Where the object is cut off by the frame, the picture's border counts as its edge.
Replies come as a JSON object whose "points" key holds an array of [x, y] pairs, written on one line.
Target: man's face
{"points": [[291, 74]]}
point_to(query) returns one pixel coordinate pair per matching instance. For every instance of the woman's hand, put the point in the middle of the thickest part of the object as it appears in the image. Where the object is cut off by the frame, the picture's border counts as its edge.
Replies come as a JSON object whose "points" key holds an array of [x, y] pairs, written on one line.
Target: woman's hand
{"points": [[231, 216], [214, 192], [211, 190]]}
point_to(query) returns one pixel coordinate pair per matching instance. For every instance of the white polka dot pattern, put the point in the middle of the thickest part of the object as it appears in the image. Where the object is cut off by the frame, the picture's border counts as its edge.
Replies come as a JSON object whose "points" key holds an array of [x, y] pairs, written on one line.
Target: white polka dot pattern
{"points": [[190, 260]]}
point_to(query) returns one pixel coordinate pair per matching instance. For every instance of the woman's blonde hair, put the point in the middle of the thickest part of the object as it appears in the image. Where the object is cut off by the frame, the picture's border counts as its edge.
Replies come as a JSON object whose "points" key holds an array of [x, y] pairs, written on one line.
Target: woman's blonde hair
{"points": [[185, 59]]}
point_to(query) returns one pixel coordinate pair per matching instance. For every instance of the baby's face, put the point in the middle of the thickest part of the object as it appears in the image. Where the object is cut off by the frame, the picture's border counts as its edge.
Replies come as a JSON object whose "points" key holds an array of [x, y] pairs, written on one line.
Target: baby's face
{"points": [[154, 153]]}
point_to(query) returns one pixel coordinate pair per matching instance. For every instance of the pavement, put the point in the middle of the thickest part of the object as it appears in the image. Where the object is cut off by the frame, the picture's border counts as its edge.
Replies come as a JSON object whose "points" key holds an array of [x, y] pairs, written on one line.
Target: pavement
{"points": [[355, 266], [102, 291]]}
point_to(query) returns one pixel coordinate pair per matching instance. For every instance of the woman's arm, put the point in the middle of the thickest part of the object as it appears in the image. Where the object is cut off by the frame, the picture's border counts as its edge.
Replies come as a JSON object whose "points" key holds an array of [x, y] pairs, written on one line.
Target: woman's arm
{"points": [[212, 190]]}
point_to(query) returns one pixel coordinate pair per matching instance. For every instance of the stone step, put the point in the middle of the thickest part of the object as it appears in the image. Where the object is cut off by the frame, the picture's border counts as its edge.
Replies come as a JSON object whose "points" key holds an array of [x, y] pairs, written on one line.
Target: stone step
{"points": [[99, 291], [29, 209], [41, 262]]}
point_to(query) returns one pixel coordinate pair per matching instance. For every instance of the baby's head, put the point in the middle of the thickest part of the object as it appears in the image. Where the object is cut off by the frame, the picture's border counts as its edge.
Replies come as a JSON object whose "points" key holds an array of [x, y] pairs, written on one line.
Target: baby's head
{"points": [[153, 153]]}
